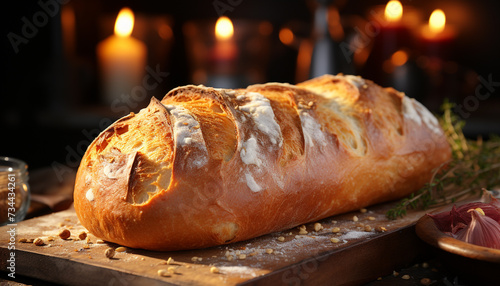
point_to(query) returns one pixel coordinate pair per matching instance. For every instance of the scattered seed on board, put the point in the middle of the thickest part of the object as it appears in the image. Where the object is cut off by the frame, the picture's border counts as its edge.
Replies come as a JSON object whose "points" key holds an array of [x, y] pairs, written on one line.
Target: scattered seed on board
{"points": [[269, 250], [38, 242], [172, 269], [425, 281], [163, 273], [281, 238], [363, 210], [110, 253], [355, 218], [406, 277], [242, 256], [214, 270], [23, 240], [303, 230], [336, 229], [170, 260], [121, 249], [334, 240], [64, 233], [82, 235], [317, 227]]}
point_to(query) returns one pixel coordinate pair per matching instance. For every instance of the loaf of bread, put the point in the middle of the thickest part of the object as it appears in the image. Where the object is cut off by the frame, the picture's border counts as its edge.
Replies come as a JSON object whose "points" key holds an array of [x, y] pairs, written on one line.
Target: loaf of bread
{"points": [[209, 166]]}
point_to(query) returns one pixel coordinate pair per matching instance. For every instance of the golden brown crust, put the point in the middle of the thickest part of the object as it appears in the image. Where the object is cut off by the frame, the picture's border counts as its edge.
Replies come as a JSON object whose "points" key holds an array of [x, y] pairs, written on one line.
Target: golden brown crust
{"points": [[209, 166]]}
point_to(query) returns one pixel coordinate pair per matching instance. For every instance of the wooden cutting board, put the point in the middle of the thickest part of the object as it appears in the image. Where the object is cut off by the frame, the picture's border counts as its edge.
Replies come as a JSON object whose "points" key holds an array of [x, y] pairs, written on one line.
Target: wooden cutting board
{"points": [[369, 246]]}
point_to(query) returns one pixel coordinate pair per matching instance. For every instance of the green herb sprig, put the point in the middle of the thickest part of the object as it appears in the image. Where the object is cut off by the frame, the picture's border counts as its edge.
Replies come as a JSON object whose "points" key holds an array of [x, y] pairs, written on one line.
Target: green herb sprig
{"points": [[475, 165]]}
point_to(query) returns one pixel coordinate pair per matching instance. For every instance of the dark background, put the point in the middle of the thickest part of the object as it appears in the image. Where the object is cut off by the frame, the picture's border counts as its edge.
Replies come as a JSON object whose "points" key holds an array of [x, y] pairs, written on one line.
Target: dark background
{"points": [[50, 107]]}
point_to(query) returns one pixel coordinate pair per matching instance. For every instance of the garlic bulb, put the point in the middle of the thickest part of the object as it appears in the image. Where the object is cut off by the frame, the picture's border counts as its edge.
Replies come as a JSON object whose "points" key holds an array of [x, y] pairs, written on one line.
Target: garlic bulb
{"points": [[476, 223], [482, 230]]}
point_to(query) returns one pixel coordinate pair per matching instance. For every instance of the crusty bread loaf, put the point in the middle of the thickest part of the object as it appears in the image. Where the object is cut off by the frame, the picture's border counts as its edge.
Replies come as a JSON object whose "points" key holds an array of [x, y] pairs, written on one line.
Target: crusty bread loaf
{"points": [[207, 166]]}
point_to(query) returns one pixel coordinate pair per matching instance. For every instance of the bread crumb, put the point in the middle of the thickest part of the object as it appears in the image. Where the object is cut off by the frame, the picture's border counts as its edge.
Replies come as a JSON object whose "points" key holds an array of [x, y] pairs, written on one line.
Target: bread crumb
{"points": [[395, 274], [87, 240], [336, 229], [281, 238], [334, 221], [22, 240], [363, 210], [230, 258], [269, 250], [172, 269], [368, 228], [29, 240], [99, 241], [242, 256], [334, 240], [170, 260], [355, 218], [318, 227], [381, 229], [405, 277], [214, 270], [371, 218]]}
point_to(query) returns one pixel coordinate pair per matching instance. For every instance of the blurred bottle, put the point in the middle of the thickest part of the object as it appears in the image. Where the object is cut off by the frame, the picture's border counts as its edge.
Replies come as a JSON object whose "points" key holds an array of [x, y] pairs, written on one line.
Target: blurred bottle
{"points": [[327, 57]]}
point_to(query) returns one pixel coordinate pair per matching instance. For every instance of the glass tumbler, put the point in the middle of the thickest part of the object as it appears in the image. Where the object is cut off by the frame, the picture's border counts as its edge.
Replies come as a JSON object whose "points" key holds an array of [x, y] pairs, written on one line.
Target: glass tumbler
{"points": [[14, 190]]}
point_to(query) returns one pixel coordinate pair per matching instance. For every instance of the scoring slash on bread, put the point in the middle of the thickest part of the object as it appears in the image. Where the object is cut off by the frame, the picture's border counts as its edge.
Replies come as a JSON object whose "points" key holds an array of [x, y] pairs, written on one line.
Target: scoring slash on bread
{"points": [[209, 166]]}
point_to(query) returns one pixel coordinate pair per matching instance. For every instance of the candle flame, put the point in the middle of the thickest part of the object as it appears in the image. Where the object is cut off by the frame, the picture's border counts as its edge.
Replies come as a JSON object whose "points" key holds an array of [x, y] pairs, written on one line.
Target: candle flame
{"points": [[393, 11], [124, 23], [437, 21], [224, 28]]}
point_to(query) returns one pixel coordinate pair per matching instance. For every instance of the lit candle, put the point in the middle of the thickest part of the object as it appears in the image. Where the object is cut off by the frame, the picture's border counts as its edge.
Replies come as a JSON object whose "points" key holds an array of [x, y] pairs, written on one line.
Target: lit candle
{"points": [[225, 49], [437, 37], [122, 58], [393, 35], [224, 56]]}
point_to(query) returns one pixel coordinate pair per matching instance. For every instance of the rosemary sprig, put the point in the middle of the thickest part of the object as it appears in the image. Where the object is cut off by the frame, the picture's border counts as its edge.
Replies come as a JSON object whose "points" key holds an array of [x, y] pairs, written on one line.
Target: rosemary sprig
{"points": [[475, 164]]}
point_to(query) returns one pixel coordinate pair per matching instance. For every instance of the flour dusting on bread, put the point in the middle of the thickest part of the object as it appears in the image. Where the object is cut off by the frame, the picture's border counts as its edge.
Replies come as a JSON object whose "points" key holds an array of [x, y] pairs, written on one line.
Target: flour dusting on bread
{"points": [[187, 132], [262, 113]]}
